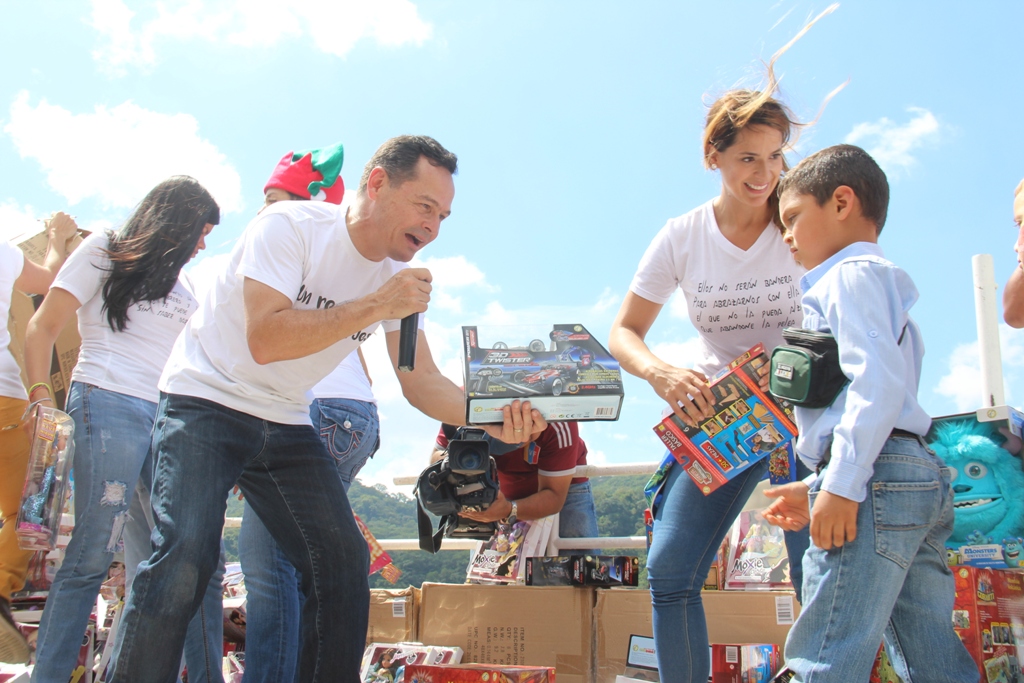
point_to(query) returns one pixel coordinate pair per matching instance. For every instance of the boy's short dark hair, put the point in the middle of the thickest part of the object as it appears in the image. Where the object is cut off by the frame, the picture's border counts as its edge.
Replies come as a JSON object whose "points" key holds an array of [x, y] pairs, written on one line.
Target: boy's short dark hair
{"points": [[399, 156], [821, 173]]}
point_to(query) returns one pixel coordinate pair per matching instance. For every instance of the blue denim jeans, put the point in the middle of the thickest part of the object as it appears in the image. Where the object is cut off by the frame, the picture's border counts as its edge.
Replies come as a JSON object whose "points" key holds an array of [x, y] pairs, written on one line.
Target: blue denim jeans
{"points": [[112, 440], [689, 527], [349, 430], [204, 640], [892, 580], [203, 449], [578, 517]]}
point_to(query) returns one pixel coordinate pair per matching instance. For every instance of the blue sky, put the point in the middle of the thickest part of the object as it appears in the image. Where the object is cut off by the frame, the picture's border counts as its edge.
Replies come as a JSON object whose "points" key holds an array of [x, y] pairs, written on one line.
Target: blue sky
{"points": [[577, 126]]}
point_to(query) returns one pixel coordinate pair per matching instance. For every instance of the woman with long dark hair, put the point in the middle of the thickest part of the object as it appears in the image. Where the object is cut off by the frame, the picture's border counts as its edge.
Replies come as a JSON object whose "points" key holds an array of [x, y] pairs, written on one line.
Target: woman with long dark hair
{"points": [[132, 301]]}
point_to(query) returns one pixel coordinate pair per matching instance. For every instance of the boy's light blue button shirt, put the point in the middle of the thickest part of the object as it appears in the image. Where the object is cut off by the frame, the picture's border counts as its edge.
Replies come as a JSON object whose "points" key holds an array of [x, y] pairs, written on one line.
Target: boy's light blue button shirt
{"points": [[864, 301]]}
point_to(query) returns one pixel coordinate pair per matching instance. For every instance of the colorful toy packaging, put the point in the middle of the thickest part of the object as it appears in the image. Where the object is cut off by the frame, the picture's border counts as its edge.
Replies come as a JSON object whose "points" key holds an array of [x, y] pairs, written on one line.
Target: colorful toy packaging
{"points": [[744, 663], [564, 372], [46, 480], [479, 673], [388, 662], [502, 559], [749, 425], [583, 570], [757, 555], [988, 615]]}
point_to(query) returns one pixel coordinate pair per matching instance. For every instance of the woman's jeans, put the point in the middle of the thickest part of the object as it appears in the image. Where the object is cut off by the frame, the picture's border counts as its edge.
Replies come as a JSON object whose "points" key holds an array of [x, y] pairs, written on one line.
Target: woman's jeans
{"points": [[350, 431], [689, 527], [112, 440], [891, 579], [578, 517]]}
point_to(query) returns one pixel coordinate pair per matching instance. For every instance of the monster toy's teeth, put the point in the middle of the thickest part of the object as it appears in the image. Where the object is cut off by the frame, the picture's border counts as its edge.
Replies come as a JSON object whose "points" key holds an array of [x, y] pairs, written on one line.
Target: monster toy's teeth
{"points": [[972, 503]]}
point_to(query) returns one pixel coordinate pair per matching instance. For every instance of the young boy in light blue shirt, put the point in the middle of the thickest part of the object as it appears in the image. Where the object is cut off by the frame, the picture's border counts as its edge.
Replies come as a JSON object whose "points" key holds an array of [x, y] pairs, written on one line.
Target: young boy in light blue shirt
{"points": [[880, 506]]}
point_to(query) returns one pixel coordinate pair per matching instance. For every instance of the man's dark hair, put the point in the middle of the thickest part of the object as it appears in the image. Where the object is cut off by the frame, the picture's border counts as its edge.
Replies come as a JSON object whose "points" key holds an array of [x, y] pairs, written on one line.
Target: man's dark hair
{"points": [[399, 156], [821, 173]]}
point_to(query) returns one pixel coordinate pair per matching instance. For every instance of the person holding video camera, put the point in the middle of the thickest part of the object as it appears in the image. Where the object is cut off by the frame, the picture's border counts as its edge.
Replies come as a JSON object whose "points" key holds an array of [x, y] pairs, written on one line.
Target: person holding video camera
{"points": [[305, 285], [537, 478]]}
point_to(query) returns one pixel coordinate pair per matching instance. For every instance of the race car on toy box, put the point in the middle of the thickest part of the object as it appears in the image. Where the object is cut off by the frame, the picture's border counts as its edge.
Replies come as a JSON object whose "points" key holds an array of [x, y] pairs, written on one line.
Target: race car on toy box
{"points": [[564, 372]]}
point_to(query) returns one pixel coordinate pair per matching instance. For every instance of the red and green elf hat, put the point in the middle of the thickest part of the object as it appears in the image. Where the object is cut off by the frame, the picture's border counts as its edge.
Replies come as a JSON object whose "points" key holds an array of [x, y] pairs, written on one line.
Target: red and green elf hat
{"points": [[314, 174]]}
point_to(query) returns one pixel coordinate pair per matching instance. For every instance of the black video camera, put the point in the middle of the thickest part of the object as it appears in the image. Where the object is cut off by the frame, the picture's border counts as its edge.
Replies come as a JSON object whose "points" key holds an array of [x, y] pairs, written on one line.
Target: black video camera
{"points": [[464, 480]]}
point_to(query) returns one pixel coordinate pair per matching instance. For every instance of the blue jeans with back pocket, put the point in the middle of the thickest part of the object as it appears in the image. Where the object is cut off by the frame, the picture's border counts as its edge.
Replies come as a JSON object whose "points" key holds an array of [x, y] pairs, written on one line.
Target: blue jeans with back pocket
{"points": [[892, 580]]}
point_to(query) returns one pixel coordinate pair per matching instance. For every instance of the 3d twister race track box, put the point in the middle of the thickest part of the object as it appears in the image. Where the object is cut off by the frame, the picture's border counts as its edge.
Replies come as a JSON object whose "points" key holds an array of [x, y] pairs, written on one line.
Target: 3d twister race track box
{"points": [[563, 371]]}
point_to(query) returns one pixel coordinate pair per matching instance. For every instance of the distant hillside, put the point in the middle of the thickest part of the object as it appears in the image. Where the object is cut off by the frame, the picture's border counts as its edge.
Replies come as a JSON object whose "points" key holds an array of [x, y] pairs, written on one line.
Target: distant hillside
{"points": [[619, 500]]}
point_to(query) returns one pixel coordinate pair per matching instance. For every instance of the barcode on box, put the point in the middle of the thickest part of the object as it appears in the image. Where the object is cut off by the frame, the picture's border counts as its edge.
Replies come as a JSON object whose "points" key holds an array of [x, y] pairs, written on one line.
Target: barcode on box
{"points": [[604, 411], [732, 654], [398, 608], [784, 610]]}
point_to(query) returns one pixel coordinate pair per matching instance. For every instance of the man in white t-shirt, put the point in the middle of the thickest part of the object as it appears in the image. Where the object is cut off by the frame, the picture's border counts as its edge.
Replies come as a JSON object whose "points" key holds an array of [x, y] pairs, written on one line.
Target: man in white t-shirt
{"points": [[306, 284]]}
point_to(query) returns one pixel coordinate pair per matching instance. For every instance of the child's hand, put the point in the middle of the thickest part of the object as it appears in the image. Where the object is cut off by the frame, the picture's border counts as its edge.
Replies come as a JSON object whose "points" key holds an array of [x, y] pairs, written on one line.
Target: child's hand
{"points": [[789, 510], [833, 521]]}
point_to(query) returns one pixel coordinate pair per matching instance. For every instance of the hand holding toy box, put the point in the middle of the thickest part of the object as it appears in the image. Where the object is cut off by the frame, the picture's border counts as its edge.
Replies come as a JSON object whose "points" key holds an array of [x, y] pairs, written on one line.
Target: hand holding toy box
{"points": [[563, 372], [748, 425], [46, 480]]}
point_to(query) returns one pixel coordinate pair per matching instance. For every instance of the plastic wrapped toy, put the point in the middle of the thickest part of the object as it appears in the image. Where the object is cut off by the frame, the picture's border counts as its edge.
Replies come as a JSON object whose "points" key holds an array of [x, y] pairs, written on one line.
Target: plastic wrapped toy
{"points": [[46, 480]]}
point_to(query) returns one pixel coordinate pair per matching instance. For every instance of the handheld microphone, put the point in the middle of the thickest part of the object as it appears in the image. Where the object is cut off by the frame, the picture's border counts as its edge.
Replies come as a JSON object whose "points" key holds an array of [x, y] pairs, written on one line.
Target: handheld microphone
{"points": [[407, 342]]}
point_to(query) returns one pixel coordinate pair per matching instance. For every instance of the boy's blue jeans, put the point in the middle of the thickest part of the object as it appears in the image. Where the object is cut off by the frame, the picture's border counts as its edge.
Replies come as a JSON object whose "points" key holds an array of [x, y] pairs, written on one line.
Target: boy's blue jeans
{"points": [[891, 579], [349, 430], [202, 449]]}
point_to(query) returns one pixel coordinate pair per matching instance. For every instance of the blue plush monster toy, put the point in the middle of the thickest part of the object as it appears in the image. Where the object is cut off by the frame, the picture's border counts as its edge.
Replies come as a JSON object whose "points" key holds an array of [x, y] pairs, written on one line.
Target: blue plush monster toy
{"points": [[987, 481]]}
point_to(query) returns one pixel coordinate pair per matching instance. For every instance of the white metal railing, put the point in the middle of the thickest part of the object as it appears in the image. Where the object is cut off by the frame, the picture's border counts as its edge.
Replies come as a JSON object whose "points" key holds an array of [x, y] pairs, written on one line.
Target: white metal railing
{"points": [[555, 544]]}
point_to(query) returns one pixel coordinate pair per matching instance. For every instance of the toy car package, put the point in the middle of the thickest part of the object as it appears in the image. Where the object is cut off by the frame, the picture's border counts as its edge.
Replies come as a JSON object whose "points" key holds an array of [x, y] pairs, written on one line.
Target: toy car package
{"points": [[46, 480], [748, 425], [479, 673], [563, 371], [744, 663]]}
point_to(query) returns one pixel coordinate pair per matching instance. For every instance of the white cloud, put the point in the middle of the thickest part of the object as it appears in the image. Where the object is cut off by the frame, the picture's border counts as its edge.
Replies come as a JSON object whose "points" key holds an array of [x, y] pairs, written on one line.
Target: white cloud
{"points": [[892, 144], [684, 354], [16, 221], [334, 28], [962, 381], [116, 155]]}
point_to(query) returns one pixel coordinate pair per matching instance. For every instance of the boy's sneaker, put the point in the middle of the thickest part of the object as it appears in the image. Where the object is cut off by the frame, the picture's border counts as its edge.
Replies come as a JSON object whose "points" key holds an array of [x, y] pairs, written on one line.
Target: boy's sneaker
{"points": [[13, 646]]}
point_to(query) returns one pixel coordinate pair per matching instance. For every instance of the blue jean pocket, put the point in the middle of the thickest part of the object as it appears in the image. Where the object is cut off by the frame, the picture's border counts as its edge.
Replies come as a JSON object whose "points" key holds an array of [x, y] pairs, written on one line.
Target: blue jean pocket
{"points": [[904, 513]]}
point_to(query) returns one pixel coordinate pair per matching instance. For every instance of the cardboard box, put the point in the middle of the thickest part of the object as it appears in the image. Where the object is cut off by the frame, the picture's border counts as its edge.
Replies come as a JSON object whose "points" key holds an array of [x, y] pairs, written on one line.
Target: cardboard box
{"points": [[394, 615], [750, 616], [988, 615], [65, 349], [513, 625], [572, 377]]}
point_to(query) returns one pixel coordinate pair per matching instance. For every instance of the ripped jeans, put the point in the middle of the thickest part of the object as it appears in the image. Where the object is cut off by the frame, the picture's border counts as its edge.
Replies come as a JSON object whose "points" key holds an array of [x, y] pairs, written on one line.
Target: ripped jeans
{"points": [[112, 440]]}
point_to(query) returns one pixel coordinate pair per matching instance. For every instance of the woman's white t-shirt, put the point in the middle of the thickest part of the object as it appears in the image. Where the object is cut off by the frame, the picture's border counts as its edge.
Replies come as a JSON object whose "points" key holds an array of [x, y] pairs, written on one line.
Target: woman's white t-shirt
{"points": [[302, 250], [12, 262], [348, 380], [735, 297], [128, 362]]}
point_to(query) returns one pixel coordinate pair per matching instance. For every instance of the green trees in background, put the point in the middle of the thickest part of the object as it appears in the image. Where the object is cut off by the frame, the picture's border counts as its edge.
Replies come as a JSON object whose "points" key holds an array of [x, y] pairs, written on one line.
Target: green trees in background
{"points": [[619, 500]]}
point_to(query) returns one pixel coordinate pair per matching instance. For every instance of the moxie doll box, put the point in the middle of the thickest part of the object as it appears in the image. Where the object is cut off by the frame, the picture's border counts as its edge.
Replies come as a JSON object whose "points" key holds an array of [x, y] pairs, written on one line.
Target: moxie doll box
{"points": [[563, 371], [748, 425]]}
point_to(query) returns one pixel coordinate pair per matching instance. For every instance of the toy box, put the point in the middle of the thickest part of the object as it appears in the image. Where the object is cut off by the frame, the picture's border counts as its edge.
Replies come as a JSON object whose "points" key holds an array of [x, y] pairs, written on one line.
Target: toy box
{"points": [[583, 570], [744, 663], [46, 480], [749, 425], [502, 558], [387, 662], [988, 615], [757, 558], [564, 372], [479, 673]]}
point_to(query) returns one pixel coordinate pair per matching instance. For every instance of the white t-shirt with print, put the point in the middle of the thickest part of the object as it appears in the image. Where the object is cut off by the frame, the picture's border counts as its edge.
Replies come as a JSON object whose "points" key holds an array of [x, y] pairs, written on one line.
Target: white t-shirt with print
{"points": [[348, 380], [12, 262], [128, 362], [735, 298], [304, 251]]}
